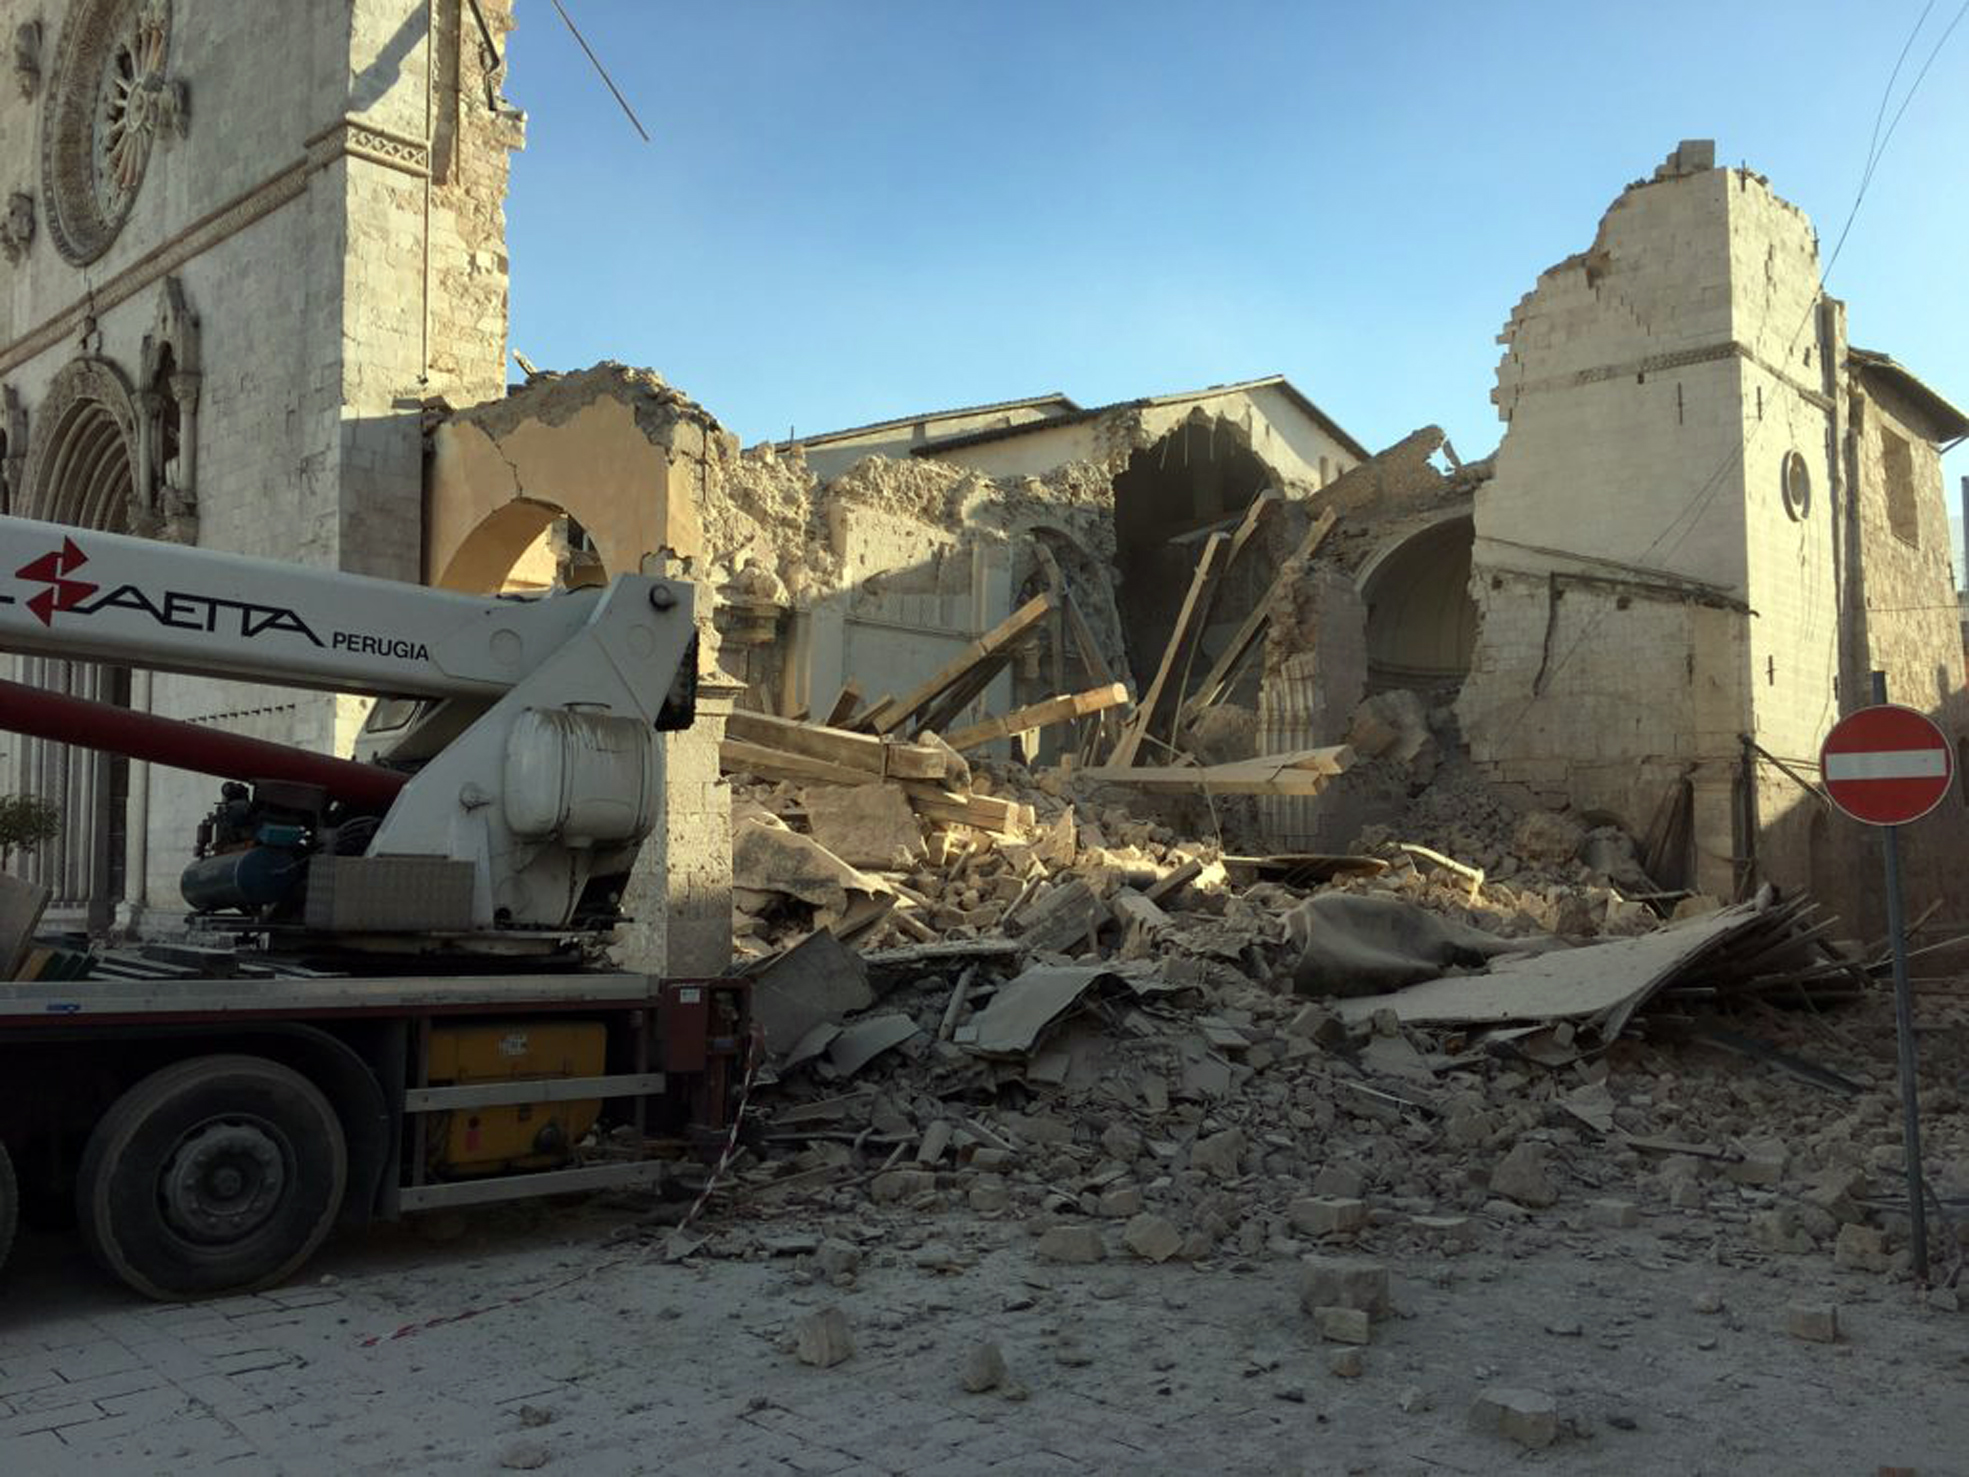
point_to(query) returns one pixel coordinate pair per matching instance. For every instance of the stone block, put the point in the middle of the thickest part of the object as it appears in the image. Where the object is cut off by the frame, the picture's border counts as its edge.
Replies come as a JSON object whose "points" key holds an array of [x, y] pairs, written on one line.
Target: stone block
{"points": [[1344, 1282], [1528, 1417], [822, 1339], [900, 1185], [984, 1368], [1762, 1165], [1343, 1180], [1616, 1215], [1343, 1325], [1317, 1024], [1074, 1244], [1221, 1154], [864, 825], [1816, 1323], [1122, 1202], [1327, 1216], [1522, 1176], [1152, 1237], [1861, 1249]]}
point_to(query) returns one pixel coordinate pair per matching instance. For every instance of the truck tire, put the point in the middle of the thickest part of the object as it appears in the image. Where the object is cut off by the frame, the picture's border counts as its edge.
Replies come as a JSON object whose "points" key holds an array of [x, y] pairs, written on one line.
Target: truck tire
{"points": [[10, 1205], [213, 1175]]}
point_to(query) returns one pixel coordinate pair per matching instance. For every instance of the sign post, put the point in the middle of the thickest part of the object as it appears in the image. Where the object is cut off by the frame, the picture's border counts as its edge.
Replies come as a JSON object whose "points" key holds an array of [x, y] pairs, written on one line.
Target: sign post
{"points": [[1886, 766]]}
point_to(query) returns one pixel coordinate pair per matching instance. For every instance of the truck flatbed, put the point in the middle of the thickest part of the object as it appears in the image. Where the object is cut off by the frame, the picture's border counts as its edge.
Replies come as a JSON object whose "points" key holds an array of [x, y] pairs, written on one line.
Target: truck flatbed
{"points": [[314, 996]]}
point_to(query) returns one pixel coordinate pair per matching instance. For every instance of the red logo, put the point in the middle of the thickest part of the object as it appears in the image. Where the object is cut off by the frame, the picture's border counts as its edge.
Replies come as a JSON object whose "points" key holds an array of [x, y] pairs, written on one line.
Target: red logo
{"points": [[53, 569]]}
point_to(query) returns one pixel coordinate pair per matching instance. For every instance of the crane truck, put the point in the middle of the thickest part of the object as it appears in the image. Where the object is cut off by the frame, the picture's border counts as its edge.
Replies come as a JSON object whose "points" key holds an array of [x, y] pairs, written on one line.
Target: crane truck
{"points": [[408, 1004]]}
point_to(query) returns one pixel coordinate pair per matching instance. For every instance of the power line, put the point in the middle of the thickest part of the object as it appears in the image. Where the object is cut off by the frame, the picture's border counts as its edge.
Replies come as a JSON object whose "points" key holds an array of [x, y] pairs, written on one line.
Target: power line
{"points": [[601, 71]]}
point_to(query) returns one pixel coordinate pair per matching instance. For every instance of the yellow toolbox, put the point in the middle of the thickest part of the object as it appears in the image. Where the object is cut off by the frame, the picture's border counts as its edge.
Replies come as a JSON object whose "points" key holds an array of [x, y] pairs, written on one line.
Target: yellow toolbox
{"points": [[523, 1135]]}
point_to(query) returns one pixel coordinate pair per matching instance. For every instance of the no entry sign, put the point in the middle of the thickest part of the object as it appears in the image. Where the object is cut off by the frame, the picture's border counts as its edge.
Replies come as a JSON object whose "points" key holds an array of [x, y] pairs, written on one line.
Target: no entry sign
{"points": [[1886, 765]]}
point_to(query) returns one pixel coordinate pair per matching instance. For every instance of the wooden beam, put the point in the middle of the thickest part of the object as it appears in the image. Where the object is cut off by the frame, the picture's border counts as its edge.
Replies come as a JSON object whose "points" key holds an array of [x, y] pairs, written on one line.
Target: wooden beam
{"points": [[1305, 772], [987, 812], [1254, 515], [970, 687], [735, 756], [1201, 582], [1217, 681], [873, 714], [999, 638], [843, 711], [1038, 715], [878, 756]]}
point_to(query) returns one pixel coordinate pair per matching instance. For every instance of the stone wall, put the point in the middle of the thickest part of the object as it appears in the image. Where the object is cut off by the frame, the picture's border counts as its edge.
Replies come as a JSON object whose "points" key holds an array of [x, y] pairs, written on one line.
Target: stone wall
{"points": [[1687, 528], [334, 277]]}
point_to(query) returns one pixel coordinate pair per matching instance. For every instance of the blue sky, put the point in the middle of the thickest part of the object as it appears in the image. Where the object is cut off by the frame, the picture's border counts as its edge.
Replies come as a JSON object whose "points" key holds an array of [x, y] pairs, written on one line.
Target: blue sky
{"points": [[855, 210]]}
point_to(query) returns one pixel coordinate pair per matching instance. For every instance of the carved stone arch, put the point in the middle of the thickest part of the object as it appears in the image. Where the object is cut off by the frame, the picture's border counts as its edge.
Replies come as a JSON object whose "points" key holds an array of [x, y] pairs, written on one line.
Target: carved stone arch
{"points": [[167, 420], [82, 467], [13, 449], [81, 470]]}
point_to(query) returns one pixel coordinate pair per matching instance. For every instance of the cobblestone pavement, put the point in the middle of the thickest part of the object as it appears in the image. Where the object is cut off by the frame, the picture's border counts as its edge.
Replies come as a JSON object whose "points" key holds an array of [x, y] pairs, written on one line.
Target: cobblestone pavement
{"points": [[619, 1363]]}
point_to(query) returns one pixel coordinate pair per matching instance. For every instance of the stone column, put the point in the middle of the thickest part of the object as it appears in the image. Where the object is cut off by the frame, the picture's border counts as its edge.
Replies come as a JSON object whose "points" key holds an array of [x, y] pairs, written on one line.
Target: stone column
{"points": [[679, 898]]}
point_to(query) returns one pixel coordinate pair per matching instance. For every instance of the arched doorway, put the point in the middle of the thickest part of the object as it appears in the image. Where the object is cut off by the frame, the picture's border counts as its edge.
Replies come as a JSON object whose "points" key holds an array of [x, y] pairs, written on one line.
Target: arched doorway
{"points": [[523, 547], [1199, 475], [1421, 621], [81, 471]]}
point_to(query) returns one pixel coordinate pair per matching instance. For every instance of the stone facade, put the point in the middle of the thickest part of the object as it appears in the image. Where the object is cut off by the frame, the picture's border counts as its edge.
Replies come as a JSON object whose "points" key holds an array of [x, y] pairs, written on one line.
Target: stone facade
{"points": [[227, 325], [1686, 528]]}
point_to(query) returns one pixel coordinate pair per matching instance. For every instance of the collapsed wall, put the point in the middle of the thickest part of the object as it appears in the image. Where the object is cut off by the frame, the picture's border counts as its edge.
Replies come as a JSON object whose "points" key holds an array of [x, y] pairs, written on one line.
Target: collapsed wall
{"points": [[1690, 520], [1612, 544]]}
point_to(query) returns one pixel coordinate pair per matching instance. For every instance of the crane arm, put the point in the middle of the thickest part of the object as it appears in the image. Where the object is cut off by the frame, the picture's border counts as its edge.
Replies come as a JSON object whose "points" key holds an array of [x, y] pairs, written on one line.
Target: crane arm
{"points": [[87, 596]]}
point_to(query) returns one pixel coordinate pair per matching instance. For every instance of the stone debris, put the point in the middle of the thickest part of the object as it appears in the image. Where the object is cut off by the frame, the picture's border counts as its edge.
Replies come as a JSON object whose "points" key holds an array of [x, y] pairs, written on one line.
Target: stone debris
{"points": [[1152, 1237], [1078, 1244], [822, 1339], [1328, 1216], [1339, 1282], [984, 1368], [1528, 1417], [1521, 1176], [1816, 1323], [1343, 1325], [1079, 1021], [1348, 1364], [1618, 1215]]}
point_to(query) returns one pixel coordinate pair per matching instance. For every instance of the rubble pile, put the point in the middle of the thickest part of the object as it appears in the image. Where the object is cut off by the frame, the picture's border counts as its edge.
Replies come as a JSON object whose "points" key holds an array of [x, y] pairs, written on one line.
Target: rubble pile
{"points": [[1140, 1046]]}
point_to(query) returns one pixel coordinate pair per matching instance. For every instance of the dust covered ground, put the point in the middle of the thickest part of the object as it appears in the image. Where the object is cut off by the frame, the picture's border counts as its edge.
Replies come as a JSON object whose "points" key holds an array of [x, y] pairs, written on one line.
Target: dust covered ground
{"points": [[1661, 1346]]}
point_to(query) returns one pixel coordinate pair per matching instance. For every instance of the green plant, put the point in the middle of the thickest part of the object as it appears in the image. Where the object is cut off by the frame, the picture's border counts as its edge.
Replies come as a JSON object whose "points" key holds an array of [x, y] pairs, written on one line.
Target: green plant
{"points": [[25, 822]]}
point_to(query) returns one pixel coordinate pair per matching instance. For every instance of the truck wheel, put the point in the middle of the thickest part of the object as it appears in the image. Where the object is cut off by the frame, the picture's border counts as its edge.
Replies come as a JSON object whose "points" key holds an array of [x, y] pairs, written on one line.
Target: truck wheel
{"points": [[10, 1205], [218, 1174]]}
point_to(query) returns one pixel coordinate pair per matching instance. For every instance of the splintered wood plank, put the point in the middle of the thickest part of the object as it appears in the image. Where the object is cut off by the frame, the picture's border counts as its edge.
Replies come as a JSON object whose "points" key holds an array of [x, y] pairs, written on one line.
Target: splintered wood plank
{"points": [[864, 751], [1201, 584], [1217, 681], [1038, 715], [1304, 772], [998, 639]]}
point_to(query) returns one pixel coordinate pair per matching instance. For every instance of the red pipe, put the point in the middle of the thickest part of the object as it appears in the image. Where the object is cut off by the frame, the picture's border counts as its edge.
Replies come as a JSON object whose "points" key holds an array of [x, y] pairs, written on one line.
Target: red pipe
{"points": [[182, 745]]}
